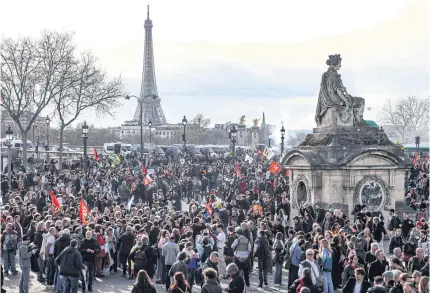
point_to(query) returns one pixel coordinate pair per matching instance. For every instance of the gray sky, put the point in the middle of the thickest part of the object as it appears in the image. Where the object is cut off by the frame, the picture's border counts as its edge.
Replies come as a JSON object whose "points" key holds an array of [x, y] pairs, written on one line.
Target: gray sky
{"points": [[231, 58]]}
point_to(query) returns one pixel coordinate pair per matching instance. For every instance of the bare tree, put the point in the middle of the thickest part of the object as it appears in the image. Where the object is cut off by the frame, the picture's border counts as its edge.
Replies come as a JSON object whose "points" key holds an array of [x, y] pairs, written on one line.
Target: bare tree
{"points": [[407, 117], [201, 121], [31, 74], [86, 89]]}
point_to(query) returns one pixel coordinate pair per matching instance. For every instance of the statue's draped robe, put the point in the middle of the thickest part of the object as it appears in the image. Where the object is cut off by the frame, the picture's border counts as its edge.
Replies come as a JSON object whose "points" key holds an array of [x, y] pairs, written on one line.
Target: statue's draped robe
{"points": [[329, 98]]}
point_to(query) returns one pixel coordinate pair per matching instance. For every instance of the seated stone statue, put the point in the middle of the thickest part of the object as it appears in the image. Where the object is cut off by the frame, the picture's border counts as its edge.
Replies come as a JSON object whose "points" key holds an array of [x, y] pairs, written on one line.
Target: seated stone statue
{"points": [[335, 106]]}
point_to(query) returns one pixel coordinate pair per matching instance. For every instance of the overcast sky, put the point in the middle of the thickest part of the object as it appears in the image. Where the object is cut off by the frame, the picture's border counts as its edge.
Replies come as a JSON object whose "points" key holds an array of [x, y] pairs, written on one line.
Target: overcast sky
{"points": [[230, 58]]}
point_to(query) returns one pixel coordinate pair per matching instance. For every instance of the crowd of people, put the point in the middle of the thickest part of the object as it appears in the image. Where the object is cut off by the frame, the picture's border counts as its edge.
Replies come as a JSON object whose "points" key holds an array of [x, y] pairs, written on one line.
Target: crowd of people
{"points": [[71, 226]]}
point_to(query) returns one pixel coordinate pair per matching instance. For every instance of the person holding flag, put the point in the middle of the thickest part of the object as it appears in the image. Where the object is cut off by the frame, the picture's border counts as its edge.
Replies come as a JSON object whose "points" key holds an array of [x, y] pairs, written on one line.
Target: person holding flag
{"points": [[54, 200]]}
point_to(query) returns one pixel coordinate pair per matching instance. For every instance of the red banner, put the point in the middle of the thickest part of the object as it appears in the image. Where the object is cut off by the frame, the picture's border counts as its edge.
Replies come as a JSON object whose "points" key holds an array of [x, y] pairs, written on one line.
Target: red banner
{"points": [[83, 212], [275, 168], [238, 170], [209, 209], [96, 155], [54, 200], [147, 180], [144, 171]]}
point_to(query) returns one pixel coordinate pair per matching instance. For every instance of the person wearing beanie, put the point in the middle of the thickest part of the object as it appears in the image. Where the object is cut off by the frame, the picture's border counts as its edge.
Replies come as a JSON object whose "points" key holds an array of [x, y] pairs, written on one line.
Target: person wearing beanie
{"points": [[25, 263], [70, 262], [388, 280]]}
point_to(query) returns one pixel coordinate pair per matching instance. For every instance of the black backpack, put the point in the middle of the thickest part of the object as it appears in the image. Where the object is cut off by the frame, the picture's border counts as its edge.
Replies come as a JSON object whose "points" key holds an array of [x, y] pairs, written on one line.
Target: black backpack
{"points": [[207, 250], [140, 258]]}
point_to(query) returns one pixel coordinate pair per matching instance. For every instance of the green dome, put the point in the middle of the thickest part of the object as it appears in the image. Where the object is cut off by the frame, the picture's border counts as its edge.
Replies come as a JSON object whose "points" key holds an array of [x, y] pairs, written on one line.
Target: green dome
{"points": [[371, 123]]}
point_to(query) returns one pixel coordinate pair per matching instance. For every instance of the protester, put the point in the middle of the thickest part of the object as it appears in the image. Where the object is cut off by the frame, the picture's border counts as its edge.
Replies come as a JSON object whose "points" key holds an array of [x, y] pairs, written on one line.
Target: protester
{"points": [[125, 213]]}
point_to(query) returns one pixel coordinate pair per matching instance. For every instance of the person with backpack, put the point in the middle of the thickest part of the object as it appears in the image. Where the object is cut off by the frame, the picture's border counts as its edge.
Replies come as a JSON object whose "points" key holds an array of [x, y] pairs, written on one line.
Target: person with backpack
{"points": [[304, 281], [9, 242], [143, 256], [278, 248], [242, 250]]}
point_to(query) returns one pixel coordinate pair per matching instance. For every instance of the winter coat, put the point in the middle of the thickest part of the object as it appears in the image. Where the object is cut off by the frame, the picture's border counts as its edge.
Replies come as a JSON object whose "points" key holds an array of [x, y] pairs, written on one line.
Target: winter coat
{"points": [[70, 262], [178, 266], [126, 244], [237, 284], [264, 253], [211, 286], [61, 244], [24, 256], [89, 244], [146, 289]]}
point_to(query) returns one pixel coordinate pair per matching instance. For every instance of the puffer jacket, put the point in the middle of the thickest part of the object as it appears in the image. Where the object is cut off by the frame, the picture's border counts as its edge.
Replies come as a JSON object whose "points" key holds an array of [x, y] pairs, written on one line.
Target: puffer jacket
{"points": [[70, 262]]}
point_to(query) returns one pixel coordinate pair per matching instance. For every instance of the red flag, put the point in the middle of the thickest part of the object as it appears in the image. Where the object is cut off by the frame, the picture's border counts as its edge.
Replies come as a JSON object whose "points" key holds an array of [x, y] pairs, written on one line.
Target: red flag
{"points": [[209, 209], [238, 170], [83, 212], [144, 171], [96, 155], [54, 200], [147, 180], [288, 173], [275, 168]]}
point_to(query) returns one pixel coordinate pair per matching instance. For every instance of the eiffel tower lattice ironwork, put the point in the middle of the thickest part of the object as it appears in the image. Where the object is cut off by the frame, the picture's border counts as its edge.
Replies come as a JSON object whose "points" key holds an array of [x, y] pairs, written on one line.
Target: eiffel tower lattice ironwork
{"points": [[151, 102]]}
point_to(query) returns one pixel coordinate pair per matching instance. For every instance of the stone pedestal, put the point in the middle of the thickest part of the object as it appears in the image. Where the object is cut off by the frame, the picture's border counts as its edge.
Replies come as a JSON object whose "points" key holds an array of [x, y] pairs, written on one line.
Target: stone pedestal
{"points": [[255, 137], [339, 167]]}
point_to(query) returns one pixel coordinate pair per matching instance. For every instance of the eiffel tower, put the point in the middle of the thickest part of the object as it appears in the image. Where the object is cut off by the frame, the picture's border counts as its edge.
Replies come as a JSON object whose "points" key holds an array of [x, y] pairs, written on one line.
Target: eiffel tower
{"points": [[151, 102]]}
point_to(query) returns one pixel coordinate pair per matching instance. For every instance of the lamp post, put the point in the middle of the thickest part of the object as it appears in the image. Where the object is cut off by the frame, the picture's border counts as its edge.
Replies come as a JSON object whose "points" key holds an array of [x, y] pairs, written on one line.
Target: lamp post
{"points": [[150, 124], [417, 143], [184, 122], [85, 137], [48, 121], [233, 133], [37, 147], [140, 121], [282, 139], [33, 137], [9, 136]]}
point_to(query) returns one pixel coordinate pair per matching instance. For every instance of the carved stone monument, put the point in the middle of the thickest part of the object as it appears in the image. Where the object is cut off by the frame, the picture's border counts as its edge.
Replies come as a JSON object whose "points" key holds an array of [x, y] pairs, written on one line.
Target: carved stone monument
{"points": [[344, 161]]}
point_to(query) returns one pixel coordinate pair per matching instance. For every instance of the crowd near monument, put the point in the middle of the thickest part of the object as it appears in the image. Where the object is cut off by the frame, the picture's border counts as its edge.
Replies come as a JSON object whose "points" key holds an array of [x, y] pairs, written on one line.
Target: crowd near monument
{"points": [[345, 162], [321, 217]]}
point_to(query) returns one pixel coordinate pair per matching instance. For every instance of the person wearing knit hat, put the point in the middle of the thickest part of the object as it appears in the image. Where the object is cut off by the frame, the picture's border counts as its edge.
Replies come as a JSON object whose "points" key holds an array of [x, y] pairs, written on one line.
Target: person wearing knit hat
{"points": [[388, 275]]}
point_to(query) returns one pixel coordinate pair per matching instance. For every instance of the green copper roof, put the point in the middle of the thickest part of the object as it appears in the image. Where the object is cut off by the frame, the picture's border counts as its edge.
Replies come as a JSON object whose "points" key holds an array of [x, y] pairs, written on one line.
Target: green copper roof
{"points": [[371, 123]]}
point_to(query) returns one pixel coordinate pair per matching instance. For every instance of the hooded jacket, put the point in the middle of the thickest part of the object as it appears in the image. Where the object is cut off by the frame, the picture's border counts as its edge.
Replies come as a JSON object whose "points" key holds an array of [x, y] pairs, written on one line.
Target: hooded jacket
{"points": [[61, 244], [70, 262]]}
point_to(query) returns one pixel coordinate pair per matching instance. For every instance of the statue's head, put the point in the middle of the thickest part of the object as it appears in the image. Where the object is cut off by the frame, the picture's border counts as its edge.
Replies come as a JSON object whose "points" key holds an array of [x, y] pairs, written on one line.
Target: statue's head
{"points": [[334, 61]]}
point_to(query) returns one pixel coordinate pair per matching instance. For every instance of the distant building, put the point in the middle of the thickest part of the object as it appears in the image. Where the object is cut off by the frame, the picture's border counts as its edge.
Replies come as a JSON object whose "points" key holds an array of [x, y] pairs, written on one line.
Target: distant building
{"points": [[39, 124]]}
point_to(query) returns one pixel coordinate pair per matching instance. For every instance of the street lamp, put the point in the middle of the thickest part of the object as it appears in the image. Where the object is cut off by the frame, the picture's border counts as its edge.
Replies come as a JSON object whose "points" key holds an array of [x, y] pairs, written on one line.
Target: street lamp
{"points": [[85, 137], [37, 147], [184, 122], [48, 121], [417, 143], [233, 133], [33, 137], [282, 139], [140, 121], [9, 136], [149, 124]]}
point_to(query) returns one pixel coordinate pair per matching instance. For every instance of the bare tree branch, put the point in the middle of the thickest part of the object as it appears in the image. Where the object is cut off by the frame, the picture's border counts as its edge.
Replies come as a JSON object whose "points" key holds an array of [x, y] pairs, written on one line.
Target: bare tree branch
{"points": [[31, 72], [408, 117], [87, 88]]}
